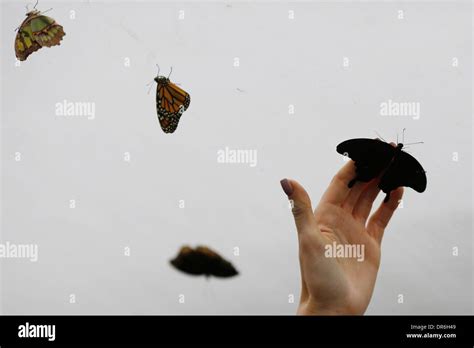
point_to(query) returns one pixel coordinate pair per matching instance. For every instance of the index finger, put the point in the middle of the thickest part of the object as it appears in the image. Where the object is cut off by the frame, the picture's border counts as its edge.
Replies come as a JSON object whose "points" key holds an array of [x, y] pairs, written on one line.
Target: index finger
{"points": [[338, 189]]}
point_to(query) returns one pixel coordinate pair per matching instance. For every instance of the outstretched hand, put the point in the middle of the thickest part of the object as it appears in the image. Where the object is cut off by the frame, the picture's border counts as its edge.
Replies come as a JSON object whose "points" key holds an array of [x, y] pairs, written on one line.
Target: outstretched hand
{"points": [[339, 285]]}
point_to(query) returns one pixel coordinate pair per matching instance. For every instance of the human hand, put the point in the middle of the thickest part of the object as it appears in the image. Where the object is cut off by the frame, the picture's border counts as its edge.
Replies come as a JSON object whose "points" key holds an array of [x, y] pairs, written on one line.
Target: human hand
{"points": [[339, 285]]}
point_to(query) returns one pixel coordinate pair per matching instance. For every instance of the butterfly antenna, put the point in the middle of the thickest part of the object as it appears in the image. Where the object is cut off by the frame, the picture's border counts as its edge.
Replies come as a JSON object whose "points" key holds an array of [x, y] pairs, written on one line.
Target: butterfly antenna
{"points": [[36, 4], [418, 142], [397, 138], [49, 9], [171, 70], [158, 74], [403, 135], [380, 136], [149, 84]]}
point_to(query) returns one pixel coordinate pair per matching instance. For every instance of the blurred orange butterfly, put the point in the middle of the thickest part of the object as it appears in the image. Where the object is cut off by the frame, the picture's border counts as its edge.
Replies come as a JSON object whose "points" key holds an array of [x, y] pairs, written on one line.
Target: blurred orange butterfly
{"points": [[171, 102]]}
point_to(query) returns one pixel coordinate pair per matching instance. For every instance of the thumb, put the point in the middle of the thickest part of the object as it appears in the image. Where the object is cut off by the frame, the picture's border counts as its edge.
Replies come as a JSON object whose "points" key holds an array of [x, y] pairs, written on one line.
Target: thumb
{"points": [[302, 210]]}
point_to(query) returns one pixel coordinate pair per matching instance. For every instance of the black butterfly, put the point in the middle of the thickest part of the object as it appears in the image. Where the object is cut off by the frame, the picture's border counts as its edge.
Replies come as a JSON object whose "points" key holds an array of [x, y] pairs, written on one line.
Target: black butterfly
{"points": [[373, 157], [203, 261]]}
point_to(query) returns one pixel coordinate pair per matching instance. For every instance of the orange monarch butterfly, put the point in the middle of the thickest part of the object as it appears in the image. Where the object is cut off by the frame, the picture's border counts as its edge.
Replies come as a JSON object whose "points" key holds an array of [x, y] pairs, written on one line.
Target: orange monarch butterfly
{"points": [[171, 102]]}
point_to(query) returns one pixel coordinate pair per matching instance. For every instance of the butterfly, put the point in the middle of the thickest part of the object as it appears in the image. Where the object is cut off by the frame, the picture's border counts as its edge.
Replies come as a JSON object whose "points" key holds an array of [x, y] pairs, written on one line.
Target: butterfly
{"points": [[35, 32], [171, 102], [374, 157], [203, 261]]}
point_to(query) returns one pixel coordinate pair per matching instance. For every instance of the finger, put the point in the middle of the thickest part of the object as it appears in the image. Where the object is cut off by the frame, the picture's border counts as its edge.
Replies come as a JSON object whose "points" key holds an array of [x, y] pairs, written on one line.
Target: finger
{"points": [[304, 220], [366, 200], [302, 210], [338, 189], [380, 219], [353, 196]]}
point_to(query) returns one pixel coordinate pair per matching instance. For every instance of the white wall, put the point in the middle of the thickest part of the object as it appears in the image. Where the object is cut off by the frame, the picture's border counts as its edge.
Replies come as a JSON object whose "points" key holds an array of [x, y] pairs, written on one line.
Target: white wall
{"points": [[282, 62]]}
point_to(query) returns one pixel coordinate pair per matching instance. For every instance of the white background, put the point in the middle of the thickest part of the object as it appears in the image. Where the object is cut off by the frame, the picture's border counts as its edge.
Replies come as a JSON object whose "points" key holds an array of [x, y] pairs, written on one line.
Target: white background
{"points": [[282, 62]]}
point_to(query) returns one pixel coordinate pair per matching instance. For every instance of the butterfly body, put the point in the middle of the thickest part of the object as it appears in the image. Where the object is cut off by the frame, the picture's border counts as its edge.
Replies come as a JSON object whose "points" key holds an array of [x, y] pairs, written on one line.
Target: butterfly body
{"points": [[35, 32], [375, 158], [171, 102], [203, 261]]}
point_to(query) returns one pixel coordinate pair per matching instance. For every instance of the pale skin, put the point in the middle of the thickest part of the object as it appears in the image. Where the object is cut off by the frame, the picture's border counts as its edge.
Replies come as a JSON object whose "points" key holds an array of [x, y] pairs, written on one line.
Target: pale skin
{"points": [[332, 286]]}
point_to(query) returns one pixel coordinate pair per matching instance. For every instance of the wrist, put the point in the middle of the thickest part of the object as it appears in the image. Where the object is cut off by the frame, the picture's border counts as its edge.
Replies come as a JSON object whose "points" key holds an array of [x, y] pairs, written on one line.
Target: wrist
{"points": [[313, 309]]}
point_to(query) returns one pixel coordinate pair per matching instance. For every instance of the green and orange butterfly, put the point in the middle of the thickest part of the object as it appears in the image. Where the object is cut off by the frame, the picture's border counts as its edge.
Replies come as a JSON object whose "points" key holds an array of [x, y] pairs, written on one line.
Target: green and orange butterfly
{"points": [[35, 32]]}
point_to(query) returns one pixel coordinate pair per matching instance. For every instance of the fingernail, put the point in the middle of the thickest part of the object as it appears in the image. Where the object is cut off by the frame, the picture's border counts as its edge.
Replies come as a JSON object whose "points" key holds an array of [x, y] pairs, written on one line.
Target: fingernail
{"points": [[286, 186]]}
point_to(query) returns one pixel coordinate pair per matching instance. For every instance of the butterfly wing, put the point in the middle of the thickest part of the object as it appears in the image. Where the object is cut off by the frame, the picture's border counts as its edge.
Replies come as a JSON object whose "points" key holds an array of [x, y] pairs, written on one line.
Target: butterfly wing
{"points": [[189, 261], [25, 44], [371, 157], [223, 269], [203, 261], [35, 32], [216, 264], [46, 31], [171, 102], [404, 170]]}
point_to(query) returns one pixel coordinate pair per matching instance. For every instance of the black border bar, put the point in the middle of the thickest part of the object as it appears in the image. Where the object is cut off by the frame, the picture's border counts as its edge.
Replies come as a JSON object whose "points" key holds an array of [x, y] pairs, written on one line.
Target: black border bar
{"points": [[195, 330]]}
